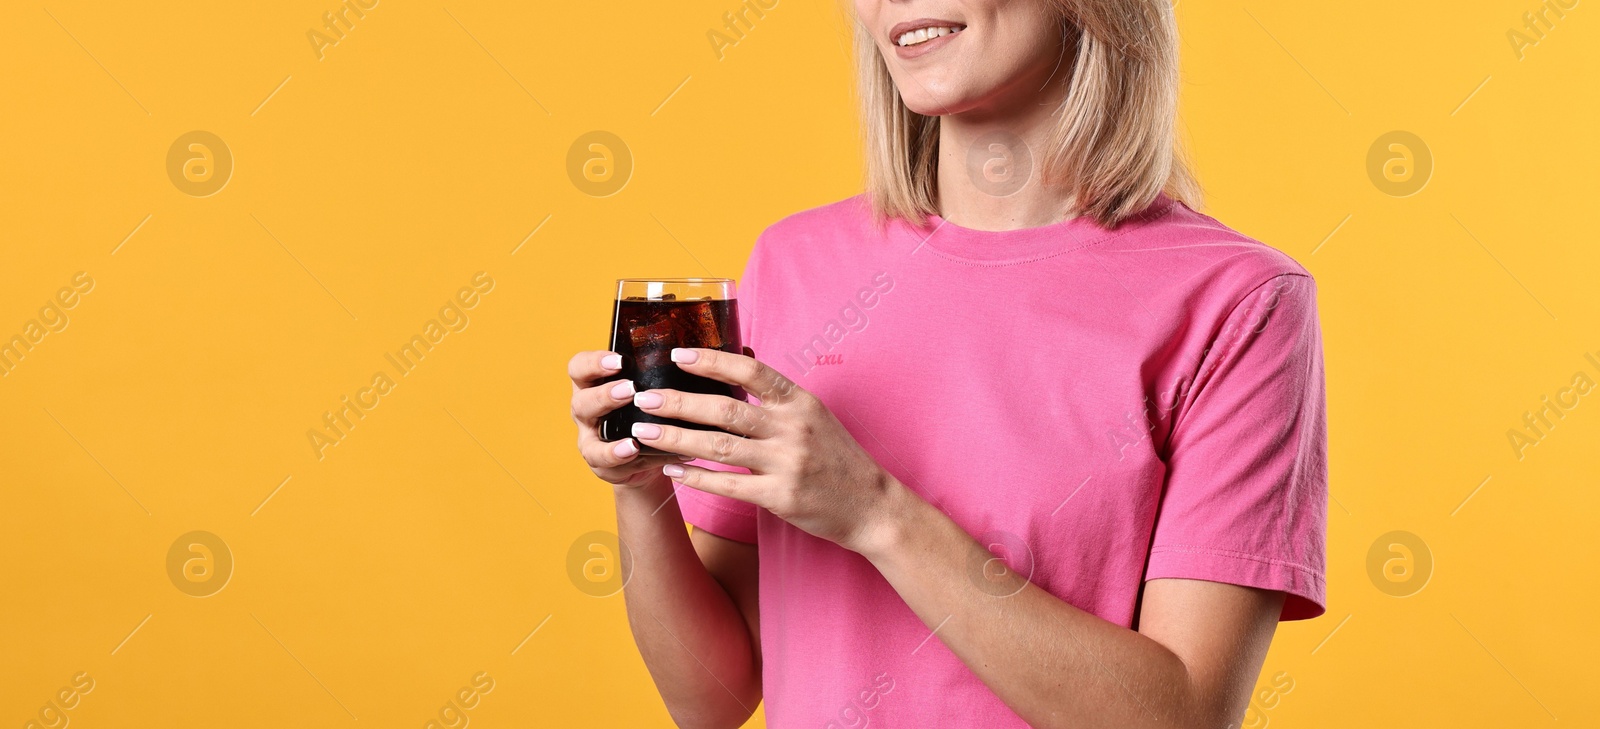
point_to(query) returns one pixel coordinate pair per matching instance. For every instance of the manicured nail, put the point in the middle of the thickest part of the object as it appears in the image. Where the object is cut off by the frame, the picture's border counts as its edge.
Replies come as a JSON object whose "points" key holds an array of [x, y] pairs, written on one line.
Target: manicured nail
{"points": [[611, 361], [622, 390], [673, 471], [625, 448], [685, 356], [648, 400], [646, 431], [685, 458]]}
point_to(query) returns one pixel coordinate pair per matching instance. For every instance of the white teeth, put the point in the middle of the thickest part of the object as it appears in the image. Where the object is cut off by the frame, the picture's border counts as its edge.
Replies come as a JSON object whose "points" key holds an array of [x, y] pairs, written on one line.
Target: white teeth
{"points": [[923, 35]]}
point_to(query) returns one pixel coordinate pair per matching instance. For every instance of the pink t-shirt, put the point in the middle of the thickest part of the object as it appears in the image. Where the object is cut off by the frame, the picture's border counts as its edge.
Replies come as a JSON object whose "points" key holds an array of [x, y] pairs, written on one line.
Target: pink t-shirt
{"points": [[1099, 407]]}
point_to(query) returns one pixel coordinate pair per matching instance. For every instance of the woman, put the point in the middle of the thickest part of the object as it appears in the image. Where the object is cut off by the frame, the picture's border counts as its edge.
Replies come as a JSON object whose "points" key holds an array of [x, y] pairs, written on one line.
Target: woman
{"points": [[1031, 441]]}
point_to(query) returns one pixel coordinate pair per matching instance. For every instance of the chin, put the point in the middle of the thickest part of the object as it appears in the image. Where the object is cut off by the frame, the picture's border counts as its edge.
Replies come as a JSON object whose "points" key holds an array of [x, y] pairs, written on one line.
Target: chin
{"points": [[934, 99], [926, 107]]}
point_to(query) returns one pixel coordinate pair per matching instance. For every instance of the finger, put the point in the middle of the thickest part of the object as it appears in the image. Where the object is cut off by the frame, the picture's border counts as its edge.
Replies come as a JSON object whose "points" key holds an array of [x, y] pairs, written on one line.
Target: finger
{"points": [[619, 454], [741, 486], [600, 454], [767, 384], [587, 368], [719, 411], [591, 403], [710, 445]]}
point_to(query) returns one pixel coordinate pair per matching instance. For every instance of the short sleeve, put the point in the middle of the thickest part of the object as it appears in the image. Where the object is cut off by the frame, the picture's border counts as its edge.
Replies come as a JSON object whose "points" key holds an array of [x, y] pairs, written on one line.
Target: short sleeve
{"points": [[720, 515], [1245, 499]]}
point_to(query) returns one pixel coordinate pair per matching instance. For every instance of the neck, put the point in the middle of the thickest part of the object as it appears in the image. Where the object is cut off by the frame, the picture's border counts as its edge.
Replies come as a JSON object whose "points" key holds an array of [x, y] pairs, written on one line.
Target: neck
{"points": [[990, 159]]}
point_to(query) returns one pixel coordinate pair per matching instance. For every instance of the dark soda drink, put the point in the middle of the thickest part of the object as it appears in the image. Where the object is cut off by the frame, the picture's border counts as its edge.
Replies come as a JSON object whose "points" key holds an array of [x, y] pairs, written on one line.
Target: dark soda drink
{"points": [[648, 323]]}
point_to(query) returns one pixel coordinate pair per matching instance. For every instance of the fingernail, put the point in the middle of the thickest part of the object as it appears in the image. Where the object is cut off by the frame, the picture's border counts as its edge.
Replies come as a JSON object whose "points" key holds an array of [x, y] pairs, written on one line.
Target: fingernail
{"points": [[648, 400], [673, 471], [647, 431], [685, 458], [611, 361], [685, 356], [622, 390], [625, 448]]}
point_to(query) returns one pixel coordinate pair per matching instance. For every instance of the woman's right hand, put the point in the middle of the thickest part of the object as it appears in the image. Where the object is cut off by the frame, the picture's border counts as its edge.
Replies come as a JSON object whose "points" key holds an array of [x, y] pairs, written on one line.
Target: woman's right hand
{"points": [[619, 462]]}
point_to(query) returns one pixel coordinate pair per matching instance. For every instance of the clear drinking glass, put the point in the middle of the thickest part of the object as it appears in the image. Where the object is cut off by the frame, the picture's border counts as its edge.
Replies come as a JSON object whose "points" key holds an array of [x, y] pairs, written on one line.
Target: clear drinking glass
{"points": [[653, 316]]}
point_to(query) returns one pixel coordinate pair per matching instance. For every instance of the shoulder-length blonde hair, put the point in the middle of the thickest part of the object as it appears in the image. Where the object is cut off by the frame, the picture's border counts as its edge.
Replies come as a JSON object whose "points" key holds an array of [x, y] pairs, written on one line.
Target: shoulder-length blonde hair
{"points": [[1114, 145]]}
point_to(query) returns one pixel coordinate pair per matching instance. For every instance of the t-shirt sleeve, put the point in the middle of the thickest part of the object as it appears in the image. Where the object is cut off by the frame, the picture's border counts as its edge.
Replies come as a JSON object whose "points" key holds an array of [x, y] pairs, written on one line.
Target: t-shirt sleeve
{"points": [[1246, 494], [720, 515]]}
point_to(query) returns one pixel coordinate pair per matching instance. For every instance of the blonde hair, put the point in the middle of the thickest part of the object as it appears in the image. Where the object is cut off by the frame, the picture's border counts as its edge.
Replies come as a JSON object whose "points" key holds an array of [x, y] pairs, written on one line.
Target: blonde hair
{"points": [[1114, 145]]}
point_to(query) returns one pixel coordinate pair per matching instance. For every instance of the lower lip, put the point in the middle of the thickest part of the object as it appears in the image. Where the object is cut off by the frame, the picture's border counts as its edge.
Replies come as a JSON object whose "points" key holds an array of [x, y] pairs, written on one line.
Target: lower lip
{"points": [[926, 46]]}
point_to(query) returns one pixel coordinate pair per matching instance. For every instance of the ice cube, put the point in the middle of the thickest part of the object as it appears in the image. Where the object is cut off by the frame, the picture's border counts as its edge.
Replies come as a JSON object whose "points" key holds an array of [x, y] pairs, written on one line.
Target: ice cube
{"points": [[699, 325], [652, 332]]}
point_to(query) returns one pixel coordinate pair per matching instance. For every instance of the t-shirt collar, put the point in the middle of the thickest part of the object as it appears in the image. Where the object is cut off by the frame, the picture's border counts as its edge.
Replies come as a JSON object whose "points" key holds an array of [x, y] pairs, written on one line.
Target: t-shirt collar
{"points": [[1022, 244]]}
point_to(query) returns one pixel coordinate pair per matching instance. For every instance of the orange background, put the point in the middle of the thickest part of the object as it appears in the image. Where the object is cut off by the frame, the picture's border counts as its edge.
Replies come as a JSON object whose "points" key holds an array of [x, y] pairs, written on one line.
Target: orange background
{"points": [[431, 545]]}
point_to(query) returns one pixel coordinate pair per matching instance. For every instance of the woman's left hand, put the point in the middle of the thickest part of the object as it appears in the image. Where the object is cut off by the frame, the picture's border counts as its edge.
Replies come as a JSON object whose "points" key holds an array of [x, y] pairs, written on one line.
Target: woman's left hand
{"points": [[805, 467]]}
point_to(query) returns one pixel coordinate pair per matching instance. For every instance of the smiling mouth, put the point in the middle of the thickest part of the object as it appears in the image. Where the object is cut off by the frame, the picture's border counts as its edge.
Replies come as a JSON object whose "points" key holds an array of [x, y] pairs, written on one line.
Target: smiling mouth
{"points": [[923, 35]]}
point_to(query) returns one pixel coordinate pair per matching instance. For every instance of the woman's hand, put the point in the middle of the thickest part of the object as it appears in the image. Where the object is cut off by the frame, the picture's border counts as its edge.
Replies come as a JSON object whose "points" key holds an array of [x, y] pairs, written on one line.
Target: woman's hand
{"points": [[805, 467], [618, 463]]}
